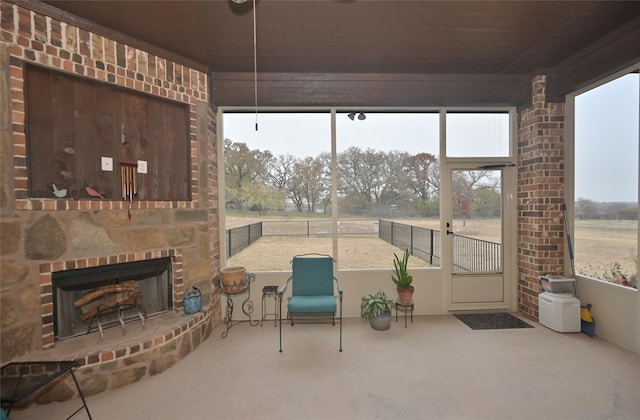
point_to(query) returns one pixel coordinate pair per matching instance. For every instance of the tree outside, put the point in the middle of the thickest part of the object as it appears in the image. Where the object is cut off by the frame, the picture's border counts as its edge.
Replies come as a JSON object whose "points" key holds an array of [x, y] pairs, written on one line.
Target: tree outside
{"points": [[370, 182]]}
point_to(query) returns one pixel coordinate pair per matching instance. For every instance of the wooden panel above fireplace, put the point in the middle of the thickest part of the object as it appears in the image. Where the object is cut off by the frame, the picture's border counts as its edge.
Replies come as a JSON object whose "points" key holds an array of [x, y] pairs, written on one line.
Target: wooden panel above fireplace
{"points": [[73, 122]]}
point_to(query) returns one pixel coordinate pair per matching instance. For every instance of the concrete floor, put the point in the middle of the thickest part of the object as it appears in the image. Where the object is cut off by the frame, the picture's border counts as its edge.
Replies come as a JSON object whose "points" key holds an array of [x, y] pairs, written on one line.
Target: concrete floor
{"points": [[437, 368]]}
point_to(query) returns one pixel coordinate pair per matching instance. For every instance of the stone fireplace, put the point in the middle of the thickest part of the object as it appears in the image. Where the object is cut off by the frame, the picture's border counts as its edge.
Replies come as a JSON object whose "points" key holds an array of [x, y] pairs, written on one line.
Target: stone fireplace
{"points": [[120, 358], [45, 236], [109, 296]]}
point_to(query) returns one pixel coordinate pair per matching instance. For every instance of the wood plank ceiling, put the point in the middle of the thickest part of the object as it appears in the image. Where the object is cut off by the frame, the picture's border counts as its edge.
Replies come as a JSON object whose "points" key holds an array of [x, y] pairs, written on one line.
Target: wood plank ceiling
{"points": [[381, 53]]}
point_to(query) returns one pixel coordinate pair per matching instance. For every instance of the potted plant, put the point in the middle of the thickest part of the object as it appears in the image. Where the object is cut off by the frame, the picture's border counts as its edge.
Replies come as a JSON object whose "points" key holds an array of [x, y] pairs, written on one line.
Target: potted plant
{"points": [[377, 309], [401, 277]]}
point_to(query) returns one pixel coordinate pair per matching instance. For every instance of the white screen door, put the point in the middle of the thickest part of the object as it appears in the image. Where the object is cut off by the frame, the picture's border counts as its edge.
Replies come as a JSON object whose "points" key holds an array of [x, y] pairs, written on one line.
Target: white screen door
{"points": [[475, 235]]}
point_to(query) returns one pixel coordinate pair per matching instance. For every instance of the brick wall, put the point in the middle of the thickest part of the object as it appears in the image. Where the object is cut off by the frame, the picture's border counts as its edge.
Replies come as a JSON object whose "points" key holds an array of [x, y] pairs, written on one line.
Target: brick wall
{"points": [[65, 232], [34, 38], [540, 195]]}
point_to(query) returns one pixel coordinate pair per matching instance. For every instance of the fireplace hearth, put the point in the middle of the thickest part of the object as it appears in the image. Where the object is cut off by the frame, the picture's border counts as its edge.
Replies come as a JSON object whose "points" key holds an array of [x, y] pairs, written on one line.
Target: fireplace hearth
{"points": [[90, 299]]}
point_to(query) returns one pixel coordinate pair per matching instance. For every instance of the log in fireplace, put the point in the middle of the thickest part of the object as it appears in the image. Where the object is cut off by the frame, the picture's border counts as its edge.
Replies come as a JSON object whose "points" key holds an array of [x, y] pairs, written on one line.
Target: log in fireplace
{"points": [[82, 297]]}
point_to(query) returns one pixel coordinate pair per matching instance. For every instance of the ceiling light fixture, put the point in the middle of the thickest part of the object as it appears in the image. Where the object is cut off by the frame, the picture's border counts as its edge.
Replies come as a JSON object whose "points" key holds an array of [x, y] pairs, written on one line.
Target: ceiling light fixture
{"points": [[361, 116]]}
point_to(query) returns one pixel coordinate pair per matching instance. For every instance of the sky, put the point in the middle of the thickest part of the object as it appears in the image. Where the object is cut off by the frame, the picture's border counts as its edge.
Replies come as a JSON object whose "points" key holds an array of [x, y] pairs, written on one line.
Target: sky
{"points": [[607, 141], [606, 131], [308, 134]]}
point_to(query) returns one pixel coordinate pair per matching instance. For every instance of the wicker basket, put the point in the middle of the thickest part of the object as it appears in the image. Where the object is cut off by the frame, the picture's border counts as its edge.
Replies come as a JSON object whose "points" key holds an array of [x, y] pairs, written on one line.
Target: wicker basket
{"points": [[233, 280]]}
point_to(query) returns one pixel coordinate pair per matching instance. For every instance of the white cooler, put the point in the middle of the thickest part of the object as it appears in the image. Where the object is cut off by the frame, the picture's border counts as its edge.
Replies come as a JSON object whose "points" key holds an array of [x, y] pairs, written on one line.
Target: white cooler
{"points": [[559, 311]]}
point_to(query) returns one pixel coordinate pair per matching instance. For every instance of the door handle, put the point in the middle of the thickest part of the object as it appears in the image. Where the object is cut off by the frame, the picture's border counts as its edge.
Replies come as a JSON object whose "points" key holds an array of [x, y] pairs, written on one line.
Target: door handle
{"points": [[449, 232]]}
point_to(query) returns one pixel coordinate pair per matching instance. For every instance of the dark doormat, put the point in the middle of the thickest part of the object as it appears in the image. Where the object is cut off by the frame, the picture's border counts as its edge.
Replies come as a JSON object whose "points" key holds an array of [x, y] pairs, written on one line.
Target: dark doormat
{"points": [[496, 321]]}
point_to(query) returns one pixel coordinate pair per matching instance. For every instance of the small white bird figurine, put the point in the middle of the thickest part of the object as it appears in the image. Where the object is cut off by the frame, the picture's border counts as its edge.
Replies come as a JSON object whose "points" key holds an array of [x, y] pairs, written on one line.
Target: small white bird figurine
{"points": [[59, 192]]}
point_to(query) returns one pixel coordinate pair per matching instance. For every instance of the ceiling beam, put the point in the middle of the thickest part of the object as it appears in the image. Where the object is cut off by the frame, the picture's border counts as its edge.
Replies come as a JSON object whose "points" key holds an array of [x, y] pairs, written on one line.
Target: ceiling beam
{"points": [[369, 89], [611, 54]]}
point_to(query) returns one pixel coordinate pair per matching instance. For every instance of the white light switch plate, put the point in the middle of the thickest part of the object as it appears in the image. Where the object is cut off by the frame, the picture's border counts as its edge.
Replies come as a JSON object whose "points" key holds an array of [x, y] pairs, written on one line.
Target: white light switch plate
{"points": [[142, 166], [106, 163]]}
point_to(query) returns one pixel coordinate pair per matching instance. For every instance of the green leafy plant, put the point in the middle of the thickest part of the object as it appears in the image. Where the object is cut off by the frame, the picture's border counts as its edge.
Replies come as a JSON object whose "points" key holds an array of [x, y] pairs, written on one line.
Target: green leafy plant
{"points": [[401, 276], [373, 306]]}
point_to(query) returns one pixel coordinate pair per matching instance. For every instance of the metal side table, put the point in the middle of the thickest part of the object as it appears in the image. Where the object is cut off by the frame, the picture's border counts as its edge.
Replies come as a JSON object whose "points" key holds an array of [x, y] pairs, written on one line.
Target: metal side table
{"points": [[270, 292], [406, 308]]}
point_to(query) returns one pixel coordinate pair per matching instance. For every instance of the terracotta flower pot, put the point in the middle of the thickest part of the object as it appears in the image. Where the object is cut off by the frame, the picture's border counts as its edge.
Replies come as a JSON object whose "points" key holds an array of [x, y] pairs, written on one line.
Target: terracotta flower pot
{"points": [[405, 295], [233, 280]]}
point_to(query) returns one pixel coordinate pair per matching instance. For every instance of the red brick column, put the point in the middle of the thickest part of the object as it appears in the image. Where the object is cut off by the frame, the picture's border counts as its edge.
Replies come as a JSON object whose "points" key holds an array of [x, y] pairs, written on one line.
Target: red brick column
{"points": [[540, 195]]}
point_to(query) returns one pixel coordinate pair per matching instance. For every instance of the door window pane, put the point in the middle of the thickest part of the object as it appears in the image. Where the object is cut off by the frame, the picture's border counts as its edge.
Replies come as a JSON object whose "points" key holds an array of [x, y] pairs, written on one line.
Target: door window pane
{"points": [[477, 221], [478, 134]]}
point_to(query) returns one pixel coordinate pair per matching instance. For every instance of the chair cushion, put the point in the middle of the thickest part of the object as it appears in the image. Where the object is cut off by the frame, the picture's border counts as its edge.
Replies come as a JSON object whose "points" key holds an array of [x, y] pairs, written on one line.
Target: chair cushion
{"points": [[312, 304], [312, 276]]}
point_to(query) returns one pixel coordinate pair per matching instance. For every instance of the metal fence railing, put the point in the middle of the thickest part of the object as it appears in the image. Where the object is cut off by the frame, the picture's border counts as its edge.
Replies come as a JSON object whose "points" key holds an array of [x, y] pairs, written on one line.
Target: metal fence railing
{"points": [[241, 237], [308, 228], [469, 254], [423, 243], [319, 227], [476, 255]]}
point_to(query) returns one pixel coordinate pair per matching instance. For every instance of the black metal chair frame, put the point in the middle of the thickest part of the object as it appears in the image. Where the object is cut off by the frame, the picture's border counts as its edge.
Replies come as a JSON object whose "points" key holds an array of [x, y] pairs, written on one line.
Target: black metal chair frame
{"points": [[310, 316], [47, 372]]}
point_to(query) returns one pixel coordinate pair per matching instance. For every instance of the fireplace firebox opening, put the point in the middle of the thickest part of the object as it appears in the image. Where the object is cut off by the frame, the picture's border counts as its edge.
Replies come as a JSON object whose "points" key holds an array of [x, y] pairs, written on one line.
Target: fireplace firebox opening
{"points": [[110, 294]]}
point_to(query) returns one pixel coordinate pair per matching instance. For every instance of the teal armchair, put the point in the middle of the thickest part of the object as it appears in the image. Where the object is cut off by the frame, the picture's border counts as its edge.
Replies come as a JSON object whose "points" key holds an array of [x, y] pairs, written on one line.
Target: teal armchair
{"points": [[313, 291]]}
